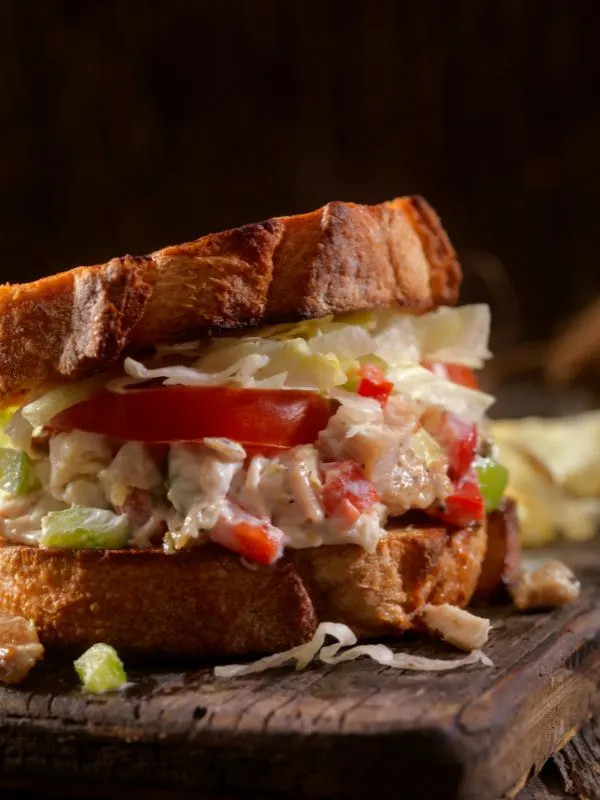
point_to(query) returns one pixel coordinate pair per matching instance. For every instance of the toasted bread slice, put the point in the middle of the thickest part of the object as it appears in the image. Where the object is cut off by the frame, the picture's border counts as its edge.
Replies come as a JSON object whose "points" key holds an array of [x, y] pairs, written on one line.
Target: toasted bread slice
{"points": [[207, 602], [501, 566], [342, 257]]}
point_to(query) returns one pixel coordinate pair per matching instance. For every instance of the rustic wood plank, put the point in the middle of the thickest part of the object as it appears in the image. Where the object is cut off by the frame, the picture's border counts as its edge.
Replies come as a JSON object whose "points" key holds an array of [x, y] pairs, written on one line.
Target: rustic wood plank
{"points": [[579, 763], [538, 789]]}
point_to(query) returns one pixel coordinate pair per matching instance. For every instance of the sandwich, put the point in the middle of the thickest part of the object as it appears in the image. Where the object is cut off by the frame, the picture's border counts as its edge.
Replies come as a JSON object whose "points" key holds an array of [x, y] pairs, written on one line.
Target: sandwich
{"points": [[215, 448]]}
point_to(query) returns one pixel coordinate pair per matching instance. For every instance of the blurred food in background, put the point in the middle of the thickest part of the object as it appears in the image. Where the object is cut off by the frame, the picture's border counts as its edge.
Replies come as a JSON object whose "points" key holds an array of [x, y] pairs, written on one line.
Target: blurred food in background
{"points": [[547, 415], [554, 474]]}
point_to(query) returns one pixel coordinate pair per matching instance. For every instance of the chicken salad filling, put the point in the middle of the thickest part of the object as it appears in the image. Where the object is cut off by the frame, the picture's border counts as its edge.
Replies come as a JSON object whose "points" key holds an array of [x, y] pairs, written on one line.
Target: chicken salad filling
{"points": [[300, 436]]}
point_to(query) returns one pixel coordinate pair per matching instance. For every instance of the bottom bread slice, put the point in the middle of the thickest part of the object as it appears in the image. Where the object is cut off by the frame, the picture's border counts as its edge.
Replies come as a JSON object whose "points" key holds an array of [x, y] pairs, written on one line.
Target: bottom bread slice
{"points": [[207, 602]]}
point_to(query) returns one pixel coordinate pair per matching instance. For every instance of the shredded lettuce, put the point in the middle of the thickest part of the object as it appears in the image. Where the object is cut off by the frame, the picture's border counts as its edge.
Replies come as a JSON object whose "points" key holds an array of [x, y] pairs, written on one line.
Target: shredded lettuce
{"points": [[455, 335], [325, 353], [319, 355], [419, 383], [347, 342], [41, 411], [397, 341], [333, 654]]}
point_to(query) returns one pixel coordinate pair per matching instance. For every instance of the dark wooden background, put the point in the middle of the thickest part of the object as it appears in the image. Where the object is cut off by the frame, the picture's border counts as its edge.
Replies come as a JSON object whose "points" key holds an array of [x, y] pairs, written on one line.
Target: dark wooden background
{"points": [[127, 125]]}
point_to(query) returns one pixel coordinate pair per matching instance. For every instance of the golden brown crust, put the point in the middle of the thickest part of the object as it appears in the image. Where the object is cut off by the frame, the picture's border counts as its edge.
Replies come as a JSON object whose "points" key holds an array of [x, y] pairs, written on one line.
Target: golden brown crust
{"points": [[342, 257], [206, 602], [501, 566]]}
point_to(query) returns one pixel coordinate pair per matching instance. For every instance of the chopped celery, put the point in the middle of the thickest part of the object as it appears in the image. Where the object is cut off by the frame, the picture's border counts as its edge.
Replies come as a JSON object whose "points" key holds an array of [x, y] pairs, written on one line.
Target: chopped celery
{"points": [[100, 669], [493, 478], [85, 528], [17, 472]]}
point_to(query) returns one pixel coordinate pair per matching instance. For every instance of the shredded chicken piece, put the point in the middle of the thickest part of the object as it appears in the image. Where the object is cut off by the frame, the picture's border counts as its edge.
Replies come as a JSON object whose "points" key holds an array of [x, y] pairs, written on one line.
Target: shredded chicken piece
{"points": [[264, 486], [230, 450], [21, 518], [20, 648], [405, 465], [132, 468], [551, 585], [456, 626], [85, 492], [305, 482], [199, 471], [73, 456], [201, 478]]}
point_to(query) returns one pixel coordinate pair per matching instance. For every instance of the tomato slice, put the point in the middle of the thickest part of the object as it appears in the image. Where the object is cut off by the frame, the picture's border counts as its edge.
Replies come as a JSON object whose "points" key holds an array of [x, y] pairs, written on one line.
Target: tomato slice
{"points": [[457, 437], [457, 373], [259, 417], [347, 493], [373, 384], [465, 505]]}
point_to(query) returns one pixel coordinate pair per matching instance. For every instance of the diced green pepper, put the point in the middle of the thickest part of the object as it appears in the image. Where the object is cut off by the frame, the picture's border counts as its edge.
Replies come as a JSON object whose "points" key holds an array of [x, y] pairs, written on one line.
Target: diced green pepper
{"points": [[17, 472], [100, 669], [85, 528], [493, 478]]}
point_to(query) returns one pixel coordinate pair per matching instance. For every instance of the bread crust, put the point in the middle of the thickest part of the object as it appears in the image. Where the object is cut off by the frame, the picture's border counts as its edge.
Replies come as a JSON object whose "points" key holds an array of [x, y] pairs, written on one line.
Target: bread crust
{"points": [[342, 257], [206, 602]]}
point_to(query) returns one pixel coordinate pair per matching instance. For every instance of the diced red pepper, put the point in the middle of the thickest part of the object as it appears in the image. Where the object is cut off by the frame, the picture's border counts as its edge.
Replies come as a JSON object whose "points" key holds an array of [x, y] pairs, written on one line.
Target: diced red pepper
{"points": [[347, 493], [465, 505], [456, 436], [457, 373], [258, 541], [373, 383]]}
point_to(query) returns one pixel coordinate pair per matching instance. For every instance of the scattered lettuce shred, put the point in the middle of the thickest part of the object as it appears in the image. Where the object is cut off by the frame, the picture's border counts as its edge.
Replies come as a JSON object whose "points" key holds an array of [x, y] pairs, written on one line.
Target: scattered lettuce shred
{"points": [[333, 654]]}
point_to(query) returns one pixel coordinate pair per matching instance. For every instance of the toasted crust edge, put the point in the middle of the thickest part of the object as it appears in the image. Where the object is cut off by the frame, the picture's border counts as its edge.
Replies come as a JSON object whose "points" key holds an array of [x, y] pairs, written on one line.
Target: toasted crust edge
{"points": [[342, 257], [206, 602]]}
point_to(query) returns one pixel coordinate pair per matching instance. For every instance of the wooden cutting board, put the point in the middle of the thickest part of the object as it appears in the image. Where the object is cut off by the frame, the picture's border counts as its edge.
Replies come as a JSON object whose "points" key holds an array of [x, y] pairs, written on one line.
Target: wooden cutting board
{"points": [[352, 731]]}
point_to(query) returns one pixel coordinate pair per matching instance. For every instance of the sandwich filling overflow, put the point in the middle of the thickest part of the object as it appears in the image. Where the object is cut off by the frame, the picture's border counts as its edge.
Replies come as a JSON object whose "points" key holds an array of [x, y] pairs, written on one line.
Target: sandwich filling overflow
{"points": [[298, 435]]}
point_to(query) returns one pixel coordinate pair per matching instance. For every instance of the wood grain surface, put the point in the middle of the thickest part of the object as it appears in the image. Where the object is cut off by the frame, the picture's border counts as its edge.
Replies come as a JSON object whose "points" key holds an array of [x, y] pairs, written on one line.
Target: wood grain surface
{"points": [[355, 730]]}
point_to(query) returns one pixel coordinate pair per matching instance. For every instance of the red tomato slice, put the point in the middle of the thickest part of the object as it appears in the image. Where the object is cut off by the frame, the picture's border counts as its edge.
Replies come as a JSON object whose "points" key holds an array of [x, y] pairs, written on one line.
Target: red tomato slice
{"points": [[346, 491], [373, 384], [465, 505], [272, 417], [456, 436], [457, 373]]}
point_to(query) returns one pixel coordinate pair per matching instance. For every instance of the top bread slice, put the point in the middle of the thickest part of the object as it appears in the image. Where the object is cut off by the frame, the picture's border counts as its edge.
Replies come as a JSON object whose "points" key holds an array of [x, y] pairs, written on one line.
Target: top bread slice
{"points": [[343, 257]]}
